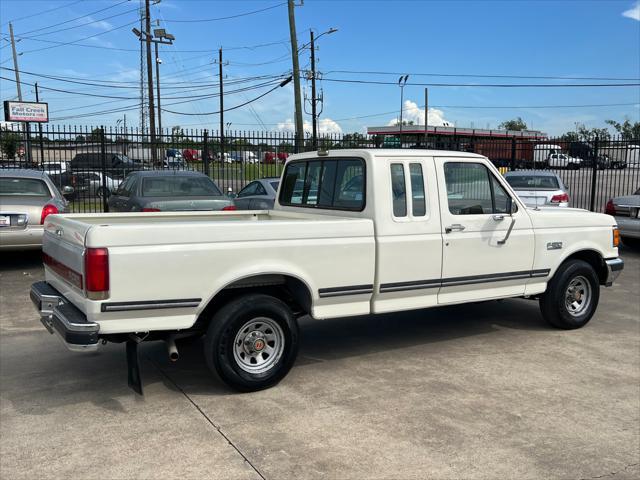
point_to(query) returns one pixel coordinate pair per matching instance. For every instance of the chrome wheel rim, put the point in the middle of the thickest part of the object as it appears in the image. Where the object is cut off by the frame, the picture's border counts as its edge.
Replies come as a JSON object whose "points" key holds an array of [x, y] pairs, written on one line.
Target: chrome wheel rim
{"points": [[258, 345], [577, 296]]}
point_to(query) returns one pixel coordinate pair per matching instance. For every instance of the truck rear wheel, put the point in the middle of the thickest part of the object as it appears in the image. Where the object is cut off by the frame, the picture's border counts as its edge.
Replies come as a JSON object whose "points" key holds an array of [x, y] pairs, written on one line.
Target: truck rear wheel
{"points": [[252, 342], [572, 295]]}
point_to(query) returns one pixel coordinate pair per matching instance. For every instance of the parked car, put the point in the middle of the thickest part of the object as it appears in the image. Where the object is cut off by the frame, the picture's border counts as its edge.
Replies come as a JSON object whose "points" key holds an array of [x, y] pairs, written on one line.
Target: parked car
{"points": [[626, 210], [258, 195], [174, 163], [27, 198], [155, 191], [96, 187], [562, 160], [243, 279], [173, 153], [190, 155], [54, 168], [80, 184], [115, 164], [538, 188]]}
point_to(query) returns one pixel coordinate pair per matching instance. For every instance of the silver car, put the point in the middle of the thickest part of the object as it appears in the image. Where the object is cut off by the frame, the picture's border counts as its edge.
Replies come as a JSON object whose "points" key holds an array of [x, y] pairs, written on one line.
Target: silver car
{"points": [[627, 212], [27, 197], [168, 190], [538, 188], [258, 195]]}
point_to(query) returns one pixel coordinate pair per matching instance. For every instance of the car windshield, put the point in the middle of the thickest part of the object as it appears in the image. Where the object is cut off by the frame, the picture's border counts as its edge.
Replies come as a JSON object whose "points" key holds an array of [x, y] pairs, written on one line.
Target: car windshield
{"points": [[637, 192], [275, 185], [24, 186], [533, 182], [178, 186]]}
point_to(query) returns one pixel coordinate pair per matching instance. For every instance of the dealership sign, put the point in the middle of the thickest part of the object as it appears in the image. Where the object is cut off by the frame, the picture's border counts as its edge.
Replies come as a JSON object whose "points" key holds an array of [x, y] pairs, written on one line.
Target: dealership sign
{"points": [[26, 111]]}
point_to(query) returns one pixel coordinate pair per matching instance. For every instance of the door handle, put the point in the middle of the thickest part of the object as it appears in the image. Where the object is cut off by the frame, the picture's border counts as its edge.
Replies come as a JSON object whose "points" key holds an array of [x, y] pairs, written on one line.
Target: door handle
{"points": [[455, 227], [498, 218]]}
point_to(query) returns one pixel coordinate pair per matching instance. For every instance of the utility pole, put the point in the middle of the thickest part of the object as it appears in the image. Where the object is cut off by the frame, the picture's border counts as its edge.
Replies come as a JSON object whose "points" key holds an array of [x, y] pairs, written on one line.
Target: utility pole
{"points": [[296, 76], [152, 120], [155, 44], [314, 116], [221, 107], [15, 62], [40, 129], [18, 87]]}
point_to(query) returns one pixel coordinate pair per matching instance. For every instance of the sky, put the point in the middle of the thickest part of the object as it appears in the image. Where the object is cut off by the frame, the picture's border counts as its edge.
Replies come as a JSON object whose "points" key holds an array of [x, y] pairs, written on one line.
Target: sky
{"points": [[453, 47]]}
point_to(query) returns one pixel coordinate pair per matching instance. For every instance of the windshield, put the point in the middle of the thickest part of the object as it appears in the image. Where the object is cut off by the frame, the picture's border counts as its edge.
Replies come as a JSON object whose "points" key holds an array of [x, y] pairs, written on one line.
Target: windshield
{"points": [[178, 186], [532, 182], [24, 186]]}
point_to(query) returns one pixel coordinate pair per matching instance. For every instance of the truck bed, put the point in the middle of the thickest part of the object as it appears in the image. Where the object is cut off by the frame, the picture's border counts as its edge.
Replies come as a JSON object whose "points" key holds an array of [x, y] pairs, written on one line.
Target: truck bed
{"points": [[193, 255]]}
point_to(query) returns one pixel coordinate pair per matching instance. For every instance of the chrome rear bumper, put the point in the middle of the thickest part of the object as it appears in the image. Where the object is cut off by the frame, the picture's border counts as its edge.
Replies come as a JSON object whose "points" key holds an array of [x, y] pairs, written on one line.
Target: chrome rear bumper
{"points": [[614, 268], [62, 318]]}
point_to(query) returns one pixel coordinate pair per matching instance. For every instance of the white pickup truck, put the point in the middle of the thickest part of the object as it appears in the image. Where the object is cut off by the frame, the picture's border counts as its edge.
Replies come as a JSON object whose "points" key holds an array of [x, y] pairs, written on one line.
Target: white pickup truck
{"points": [[353, 232]]}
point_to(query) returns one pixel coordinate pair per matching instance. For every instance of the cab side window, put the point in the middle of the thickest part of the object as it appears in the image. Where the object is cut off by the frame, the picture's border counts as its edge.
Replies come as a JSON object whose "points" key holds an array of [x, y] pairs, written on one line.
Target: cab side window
{"points": [[398, 190], [418, 205], [472, 190]]}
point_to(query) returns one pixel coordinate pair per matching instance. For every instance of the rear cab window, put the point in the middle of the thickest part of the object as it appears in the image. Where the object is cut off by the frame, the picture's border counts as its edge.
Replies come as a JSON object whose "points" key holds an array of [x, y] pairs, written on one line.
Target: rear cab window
{"points": [[331, 184]]}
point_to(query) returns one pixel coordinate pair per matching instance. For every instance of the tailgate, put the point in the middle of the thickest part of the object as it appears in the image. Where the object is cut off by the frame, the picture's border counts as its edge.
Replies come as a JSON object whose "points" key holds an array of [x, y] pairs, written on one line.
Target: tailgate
{"points": [[63, 254]]}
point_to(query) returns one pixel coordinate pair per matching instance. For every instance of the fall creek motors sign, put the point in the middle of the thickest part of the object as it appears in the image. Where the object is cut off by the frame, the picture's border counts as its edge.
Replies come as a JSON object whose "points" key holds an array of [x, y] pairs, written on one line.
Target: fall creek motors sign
{"points": [[26, 111]]}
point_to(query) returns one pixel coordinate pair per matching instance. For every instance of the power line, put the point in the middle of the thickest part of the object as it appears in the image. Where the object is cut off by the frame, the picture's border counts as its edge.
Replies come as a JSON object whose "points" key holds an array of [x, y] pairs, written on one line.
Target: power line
{"points": [[281, 84], [43, 12], [74, 42], [78, 26], [472, 75], [22, 34], [198, 20], [486, 85]]}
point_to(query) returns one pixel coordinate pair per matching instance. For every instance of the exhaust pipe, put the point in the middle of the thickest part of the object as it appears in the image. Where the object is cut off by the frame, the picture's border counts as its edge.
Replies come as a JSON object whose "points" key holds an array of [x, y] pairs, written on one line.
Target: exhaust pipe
{"points": [[171, 348]]}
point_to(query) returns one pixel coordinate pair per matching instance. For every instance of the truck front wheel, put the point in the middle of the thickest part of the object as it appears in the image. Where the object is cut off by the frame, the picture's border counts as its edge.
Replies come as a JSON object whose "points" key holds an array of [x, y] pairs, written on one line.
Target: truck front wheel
{"points": [[252, 342], [572, 295]]}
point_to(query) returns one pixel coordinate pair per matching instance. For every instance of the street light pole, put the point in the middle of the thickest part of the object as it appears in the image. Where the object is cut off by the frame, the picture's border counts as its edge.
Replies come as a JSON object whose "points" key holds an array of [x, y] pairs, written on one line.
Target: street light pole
{"points": [[402, 81], [158, 89]]}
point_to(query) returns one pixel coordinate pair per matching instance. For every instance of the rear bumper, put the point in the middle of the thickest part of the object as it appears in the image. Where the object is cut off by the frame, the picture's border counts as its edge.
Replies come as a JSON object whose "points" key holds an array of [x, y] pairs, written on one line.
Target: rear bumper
{"points": [[26, 238], [629, 227], [614, 268], [60, 317]]}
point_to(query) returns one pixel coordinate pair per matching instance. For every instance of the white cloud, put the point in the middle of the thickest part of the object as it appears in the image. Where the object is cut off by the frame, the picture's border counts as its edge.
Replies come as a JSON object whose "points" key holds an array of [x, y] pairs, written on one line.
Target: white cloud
{"points": [[99, 24], [413, 113], [326, 126], [633, 12]]}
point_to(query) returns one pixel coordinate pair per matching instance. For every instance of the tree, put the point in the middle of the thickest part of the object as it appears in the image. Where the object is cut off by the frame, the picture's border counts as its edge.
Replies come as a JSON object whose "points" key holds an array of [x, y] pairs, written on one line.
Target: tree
{"points": [[95, 135], [626, 129], [584, 134], [9, 143], [516, 124]]}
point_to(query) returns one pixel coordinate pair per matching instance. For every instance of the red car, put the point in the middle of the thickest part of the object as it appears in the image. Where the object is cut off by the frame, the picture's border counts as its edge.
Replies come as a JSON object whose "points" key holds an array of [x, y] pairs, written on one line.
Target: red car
{"points": [[190, 155]]}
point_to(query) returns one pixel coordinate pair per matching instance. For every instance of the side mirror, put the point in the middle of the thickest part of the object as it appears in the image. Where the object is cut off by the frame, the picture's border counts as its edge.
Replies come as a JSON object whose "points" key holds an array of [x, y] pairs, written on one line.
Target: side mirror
{"points": [[509, 206], [67, 191]]}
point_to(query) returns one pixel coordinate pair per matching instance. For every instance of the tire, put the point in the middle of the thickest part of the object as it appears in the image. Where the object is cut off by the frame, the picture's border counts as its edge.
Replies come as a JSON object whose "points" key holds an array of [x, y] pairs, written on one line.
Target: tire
{"points": [[242, 332], [575, 277]]}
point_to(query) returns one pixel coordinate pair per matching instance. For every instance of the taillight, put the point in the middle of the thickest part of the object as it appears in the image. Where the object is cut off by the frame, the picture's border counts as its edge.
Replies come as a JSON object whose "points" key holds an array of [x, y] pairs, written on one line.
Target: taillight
{"points": [[562, 198], [229, 207], [149, 209], [96, 272], [47, 210], [610, 209]]}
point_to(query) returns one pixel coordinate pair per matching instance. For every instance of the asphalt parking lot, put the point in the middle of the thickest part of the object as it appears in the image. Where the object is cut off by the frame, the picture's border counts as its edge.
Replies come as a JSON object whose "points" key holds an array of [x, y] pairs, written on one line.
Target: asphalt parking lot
{"points": [[482, 391]]}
